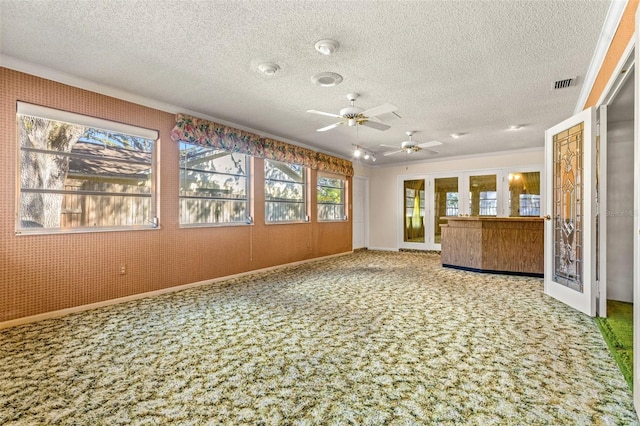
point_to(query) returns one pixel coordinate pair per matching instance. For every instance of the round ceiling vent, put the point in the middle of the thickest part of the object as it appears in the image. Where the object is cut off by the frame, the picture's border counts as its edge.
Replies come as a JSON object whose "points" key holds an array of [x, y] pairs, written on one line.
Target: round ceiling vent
{"points": [[327, 79]]}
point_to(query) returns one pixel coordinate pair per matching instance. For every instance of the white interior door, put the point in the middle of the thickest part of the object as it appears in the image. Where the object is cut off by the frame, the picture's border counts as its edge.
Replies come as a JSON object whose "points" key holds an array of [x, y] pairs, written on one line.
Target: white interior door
{"points": [[570, 235], [360, 212]]}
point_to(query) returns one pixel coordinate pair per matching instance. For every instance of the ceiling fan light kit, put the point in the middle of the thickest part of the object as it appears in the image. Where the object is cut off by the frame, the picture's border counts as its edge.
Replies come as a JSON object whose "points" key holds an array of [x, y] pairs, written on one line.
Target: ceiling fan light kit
{"points": [[354, 116], [411, 146]]}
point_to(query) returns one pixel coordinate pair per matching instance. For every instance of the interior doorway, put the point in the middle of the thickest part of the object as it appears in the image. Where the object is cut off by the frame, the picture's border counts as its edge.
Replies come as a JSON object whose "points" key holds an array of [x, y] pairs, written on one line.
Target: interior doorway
{"points": [[618, 222], [619, 193]]}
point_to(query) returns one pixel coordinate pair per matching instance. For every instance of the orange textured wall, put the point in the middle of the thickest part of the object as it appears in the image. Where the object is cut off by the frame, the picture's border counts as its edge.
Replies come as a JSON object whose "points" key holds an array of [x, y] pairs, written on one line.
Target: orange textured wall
{"points": [[619, 43], [44, 273]]}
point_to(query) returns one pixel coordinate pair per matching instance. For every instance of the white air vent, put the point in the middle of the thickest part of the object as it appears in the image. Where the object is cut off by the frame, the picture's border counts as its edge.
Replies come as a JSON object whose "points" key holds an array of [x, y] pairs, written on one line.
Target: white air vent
{"points": [[563, 84]]}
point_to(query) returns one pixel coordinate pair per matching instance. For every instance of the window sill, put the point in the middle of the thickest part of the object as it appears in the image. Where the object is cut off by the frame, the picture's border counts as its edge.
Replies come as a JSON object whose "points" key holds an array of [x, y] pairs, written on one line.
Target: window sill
{"points": [[63, 231]]}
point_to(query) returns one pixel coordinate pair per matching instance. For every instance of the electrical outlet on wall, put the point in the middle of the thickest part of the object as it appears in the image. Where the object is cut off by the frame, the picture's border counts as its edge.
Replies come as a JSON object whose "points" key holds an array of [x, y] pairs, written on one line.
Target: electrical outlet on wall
{"points": [[123, 269]]}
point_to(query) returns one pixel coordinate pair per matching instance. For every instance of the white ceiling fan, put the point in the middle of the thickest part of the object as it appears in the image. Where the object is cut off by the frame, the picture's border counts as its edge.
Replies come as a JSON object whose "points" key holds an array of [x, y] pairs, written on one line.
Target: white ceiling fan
{"points": [[412, 146], [353, 115]]}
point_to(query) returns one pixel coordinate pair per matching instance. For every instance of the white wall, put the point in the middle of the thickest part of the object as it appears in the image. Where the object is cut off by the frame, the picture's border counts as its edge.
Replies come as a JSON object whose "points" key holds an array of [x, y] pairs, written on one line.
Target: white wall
{"points": [[361, 170], [383, 187], [620, 211]]}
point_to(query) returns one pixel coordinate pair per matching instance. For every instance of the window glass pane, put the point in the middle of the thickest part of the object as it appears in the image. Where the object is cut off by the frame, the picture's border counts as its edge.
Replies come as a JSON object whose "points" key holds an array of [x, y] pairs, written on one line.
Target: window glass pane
{"points": [[214, 186], [73, 176], [331, 199], [445, 203], [483, 197], [285, 192], [275, 170], [282, 191], [524, 194], [414, 204]]}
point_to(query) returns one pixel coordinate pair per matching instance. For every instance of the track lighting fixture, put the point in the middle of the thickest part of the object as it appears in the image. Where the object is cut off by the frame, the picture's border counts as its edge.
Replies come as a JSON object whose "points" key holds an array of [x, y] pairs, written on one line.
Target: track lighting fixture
{"points": [[366, 154]]}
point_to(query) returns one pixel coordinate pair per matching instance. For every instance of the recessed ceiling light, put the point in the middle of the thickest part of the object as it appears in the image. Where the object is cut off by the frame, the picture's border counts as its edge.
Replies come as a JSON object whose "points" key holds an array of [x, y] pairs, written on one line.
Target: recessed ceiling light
{"points": [[327, 47], [456, 135], [327, 79], [268, 68], [516, 127]]}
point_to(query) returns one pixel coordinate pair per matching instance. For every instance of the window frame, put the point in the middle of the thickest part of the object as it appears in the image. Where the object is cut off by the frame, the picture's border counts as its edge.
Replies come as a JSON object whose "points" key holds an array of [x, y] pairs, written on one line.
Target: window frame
{"points": [[343, 189], [305, 194], [101, 126], [248, 199]]}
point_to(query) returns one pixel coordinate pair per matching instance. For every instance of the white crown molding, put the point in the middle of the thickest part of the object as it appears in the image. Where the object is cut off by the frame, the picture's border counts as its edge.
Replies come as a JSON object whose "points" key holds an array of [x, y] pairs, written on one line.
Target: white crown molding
{"points": [[103, 89], [461, 157], [611, 22]]}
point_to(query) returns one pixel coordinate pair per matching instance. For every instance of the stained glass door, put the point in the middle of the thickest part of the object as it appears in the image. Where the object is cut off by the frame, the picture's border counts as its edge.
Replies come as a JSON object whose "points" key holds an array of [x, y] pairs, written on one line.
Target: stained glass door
{"points": [[570, 163]]}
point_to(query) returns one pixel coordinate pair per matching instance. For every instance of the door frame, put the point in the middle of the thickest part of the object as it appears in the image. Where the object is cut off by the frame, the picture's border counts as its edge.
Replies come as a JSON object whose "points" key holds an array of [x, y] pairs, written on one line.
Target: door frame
{"points": [[636, 219], [402, 244], [630, 56]]}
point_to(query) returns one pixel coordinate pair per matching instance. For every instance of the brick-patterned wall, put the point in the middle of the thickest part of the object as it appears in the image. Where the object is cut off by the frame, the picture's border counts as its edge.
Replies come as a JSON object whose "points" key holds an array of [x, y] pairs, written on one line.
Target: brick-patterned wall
{"points": [[44, 273]]}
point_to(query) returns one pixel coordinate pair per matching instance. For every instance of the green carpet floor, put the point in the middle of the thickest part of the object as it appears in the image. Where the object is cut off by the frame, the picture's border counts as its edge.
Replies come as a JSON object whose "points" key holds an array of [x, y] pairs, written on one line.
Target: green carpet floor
{"points": [[617, 330], [371, 338]]}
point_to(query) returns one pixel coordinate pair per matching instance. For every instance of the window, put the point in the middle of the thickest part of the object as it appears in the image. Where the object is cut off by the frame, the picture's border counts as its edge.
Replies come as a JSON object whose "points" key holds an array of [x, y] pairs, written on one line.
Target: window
{"points": [[488, 203], [529, 205], [483, 195], [331, 199], [524, 194], [214, 186], [285, 192], [82, 173]]}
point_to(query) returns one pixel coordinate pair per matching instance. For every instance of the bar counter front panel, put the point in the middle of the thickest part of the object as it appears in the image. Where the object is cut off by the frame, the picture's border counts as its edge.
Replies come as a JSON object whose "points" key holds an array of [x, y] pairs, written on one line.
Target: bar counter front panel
{"points": [[509, 245]]}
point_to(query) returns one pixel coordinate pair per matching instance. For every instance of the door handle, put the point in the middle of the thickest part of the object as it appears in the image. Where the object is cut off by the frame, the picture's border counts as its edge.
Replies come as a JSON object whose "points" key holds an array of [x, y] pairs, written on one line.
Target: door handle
{"points": [[548, 217]]}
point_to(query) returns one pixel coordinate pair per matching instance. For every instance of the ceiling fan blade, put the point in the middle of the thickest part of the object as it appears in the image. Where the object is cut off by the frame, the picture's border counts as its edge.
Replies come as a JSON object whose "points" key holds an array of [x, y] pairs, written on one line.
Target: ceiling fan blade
{"points": [[431, 151], [382, 109], [313, 111], [390, 146], [332, 126], [376, 125], [391, 152], [430, 143]]}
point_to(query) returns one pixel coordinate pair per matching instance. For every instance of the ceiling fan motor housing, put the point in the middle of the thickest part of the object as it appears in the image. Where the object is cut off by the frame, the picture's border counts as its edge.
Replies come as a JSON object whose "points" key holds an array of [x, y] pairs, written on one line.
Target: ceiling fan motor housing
{"points": [[350, 112]]}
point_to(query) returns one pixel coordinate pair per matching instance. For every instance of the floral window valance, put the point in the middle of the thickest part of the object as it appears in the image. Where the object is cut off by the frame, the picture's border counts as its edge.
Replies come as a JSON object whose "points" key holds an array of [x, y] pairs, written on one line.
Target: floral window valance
{"points": [[207, 133]]}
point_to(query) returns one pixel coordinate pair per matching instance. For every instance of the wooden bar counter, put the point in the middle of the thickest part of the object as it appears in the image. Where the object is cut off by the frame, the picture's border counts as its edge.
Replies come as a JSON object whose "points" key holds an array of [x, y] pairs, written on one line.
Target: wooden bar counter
{"points": [[508, 245]]}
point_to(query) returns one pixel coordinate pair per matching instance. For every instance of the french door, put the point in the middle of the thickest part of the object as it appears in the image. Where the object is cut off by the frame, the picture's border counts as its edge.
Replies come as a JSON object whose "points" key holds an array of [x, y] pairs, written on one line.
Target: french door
{"points": [[427, 200], [414, 206], [571, 212]]}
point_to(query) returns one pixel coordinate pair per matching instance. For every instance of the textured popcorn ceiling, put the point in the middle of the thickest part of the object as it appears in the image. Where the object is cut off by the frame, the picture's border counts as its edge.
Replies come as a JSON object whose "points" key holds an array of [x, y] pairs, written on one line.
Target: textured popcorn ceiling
{"points": [[472, 67]]}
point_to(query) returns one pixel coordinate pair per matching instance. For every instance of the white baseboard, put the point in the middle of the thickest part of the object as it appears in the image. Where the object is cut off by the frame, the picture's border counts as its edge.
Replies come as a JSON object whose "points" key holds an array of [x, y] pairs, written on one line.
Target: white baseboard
{"points": [[384, 248], [82, 308]]}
